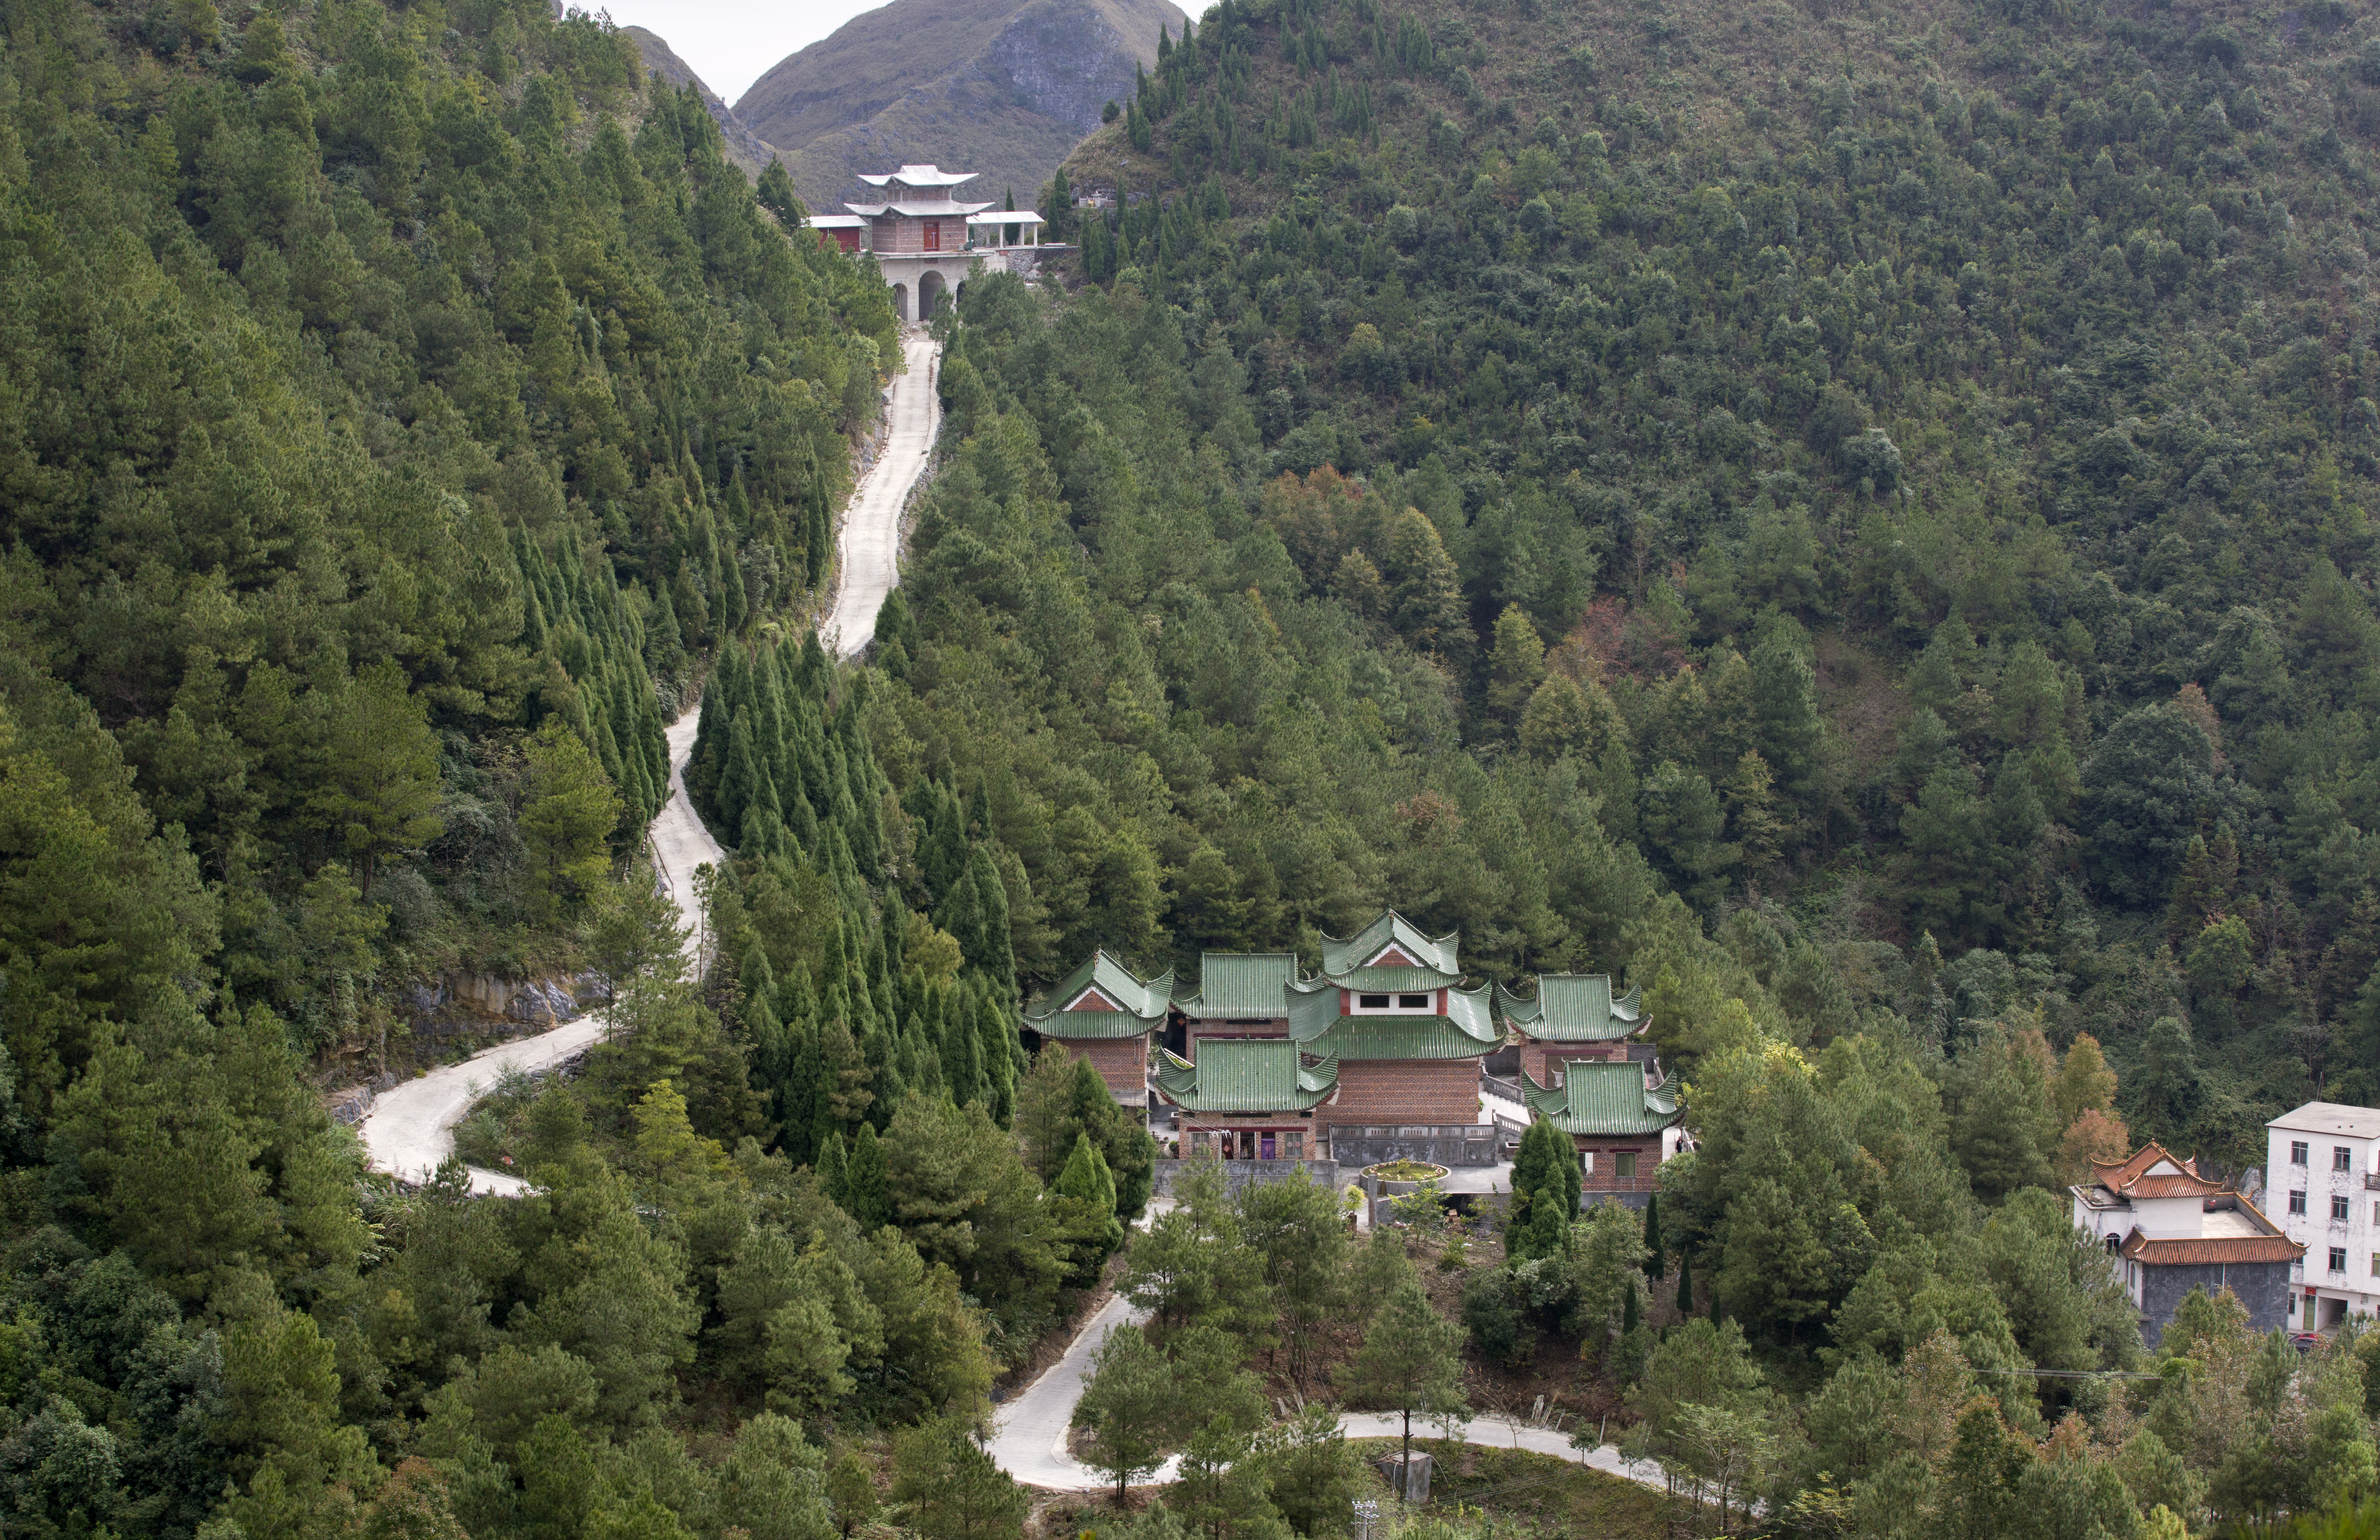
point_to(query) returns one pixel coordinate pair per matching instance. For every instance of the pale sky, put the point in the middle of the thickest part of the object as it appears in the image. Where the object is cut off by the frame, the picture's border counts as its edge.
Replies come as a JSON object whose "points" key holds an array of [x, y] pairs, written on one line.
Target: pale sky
{"points": [[732, 43]]}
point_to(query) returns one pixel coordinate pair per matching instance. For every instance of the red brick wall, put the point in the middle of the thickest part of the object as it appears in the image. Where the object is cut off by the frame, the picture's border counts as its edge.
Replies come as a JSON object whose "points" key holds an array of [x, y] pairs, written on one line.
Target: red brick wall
{"points": [[1122, 1062], [1405, 1091], [1647, 1151]]}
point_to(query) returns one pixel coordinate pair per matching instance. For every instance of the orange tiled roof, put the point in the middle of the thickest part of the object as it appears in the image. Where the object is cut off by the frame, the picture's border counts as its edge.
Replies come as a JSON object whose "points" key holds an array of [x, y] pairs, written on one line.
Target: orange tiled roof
{"points": [[2138, 1247], [2131, 1178]]}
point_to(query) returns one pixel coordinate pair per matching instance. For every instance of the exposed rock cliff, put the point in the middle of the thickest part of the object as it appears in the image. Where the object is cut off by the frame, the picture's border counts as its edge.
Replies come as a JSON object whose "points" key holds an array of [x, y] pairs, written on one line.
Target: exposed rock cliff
{"points": [[1002, 88]]}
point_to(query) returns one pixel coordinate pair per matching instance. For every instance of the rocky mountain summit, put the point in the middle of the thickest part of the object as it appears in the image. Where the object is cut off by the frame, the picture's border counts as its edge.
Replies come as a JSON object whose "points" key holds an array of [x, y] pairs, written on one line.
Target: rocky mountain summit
{"points": [[1002, 88]]}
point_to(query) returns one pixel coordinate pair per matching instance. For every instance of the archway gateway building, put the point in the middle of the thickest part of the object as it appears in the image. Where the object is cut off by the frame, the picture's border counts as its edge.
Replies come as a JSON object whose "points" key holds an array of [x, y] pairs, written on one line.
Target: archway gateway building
{"points": [[927, 243]]}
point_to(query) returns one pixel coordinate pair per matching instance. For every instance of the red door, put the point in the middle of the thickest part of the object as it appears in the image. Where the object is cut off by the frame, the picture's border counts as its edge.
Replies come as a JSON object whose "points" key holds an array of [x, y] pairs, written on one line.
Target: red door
{"points": [[933, 235]]}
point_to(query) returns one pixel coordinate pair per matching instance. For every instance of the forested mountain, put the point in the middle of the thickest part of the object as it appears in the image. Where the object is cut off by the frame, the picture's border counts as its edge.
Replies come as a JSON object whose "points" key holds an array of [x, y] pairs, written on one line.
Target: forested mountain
{"points": [[1856, 522], [1000, 88], [394, 407], [1599, 477]]}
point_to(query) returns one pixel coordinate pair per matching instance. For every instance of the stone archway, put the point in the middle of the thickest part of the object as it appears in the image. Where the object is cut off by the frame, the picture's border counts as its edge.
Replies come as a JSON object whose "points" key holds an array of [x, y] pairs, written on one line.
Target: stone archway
{"points": [[930, 289], [901, 302]]}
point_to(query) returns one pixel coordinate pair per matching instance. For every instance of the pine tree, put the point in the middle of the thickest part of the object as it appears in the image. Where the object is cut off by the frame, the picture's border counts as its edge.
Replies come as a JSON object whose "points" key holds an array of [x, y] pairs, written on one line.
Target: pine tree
{"points": [[1410, 1361], [1088, 1186], [1629, 1312], [995, 1038], [1685, 1283]]}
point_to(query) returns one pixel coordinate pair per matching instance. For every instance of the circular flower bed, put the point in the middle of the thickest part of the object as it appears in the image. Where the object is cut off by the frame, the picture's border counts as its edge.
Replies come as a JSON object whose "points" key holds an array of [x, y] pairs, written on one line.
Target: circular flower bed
{"points": [[1405, 1171]]}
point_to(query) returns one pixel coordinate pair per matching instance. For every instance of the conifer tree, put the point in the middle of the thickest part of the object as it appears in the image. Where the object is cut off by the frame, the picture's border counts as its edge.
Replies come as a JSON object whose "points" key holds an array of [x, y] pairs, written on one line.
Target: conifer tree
{"points": [[1685, 1283], [1410, 1361], [1515, 665], [1655, 1265], [834, 1170], [866, 1191]]}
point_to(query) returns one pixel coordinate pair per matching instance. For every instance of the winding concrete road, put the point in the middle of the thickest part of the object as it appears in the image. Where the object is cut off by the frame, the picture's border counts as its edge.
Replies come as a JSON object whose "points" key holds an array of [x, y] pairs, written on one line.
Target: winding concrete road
{"points": [[410, 1130], [871, 530], [1028, 1436], [680, 842]]}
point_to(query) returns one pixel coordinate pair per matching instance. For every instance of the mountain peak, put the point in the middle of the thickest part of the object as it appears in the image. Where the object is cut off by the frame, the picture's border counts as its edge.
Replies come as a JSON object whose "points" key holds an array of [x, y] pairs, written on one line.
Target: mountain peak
{"points": [[1002, 88]]}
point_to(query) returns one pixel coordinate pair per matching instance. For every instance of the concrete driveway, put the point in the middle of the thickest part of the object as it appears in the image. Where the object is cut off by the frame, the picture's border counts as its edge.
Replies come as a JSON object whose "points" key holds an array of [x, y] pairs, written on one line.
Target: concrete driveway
{"points": [[870, 547]]}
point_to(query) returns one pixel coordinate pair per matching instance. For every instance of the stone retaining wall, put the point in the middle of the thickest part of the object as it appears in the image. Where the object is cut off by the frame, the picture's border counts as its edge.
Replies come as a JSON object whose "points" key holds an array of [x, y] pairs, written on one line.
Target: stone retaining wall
{"points": [[1439, 1143], [1242, 1173]]}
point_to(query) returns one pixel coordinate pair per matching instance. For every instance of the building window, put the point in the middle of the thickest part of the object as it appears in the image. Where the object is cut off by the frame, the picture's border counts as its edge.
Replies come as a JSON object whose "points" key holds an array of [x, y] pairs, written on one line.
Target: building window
{"points": [[1586, 1161], [1371, 1002], [2338, 1210], [1294, 1146], [2339, 1259], [2296, 1152], [2342, 1159], [1624, 1166], [2297, 1203], [1412, 1002]]}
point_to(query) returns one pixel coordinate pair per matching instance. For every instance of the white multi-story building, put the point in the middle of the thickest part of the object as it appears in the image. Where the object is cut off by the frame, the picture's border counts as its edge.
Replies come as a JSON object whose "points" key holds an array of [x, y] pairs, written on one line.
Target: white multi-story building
{"points": [[2324, 1189]]}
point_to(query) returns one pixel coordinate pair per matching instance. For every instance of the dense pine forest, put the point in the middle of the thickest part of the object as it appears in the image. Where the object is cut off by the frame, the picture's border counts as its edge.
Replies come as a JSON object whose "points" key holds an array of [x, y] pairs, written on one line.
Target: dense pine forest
{"points": [[1853, 521]]}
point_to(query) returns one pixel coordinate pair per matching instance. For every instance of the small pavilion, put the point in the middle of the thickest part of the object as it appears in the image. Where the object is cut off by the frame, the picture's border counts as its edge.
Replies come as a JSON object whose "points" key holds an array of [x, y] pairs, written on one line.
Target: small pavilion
{"points": [[1574, 1017], [1250, 1099], [1621, 1126], [1103, 1013]]}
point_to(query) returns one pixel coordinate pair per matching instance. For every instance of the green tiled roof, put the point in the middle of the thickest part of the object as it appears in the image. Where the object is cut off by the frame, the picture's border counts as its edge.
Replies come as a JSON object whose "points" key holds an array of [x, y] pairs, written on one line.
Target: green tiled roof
{"points": [[1465, 1031], [1242, 984], [1143, 1002], [1436, 952], [1250, 1074], [1604, 1099], [1574, 1008]]}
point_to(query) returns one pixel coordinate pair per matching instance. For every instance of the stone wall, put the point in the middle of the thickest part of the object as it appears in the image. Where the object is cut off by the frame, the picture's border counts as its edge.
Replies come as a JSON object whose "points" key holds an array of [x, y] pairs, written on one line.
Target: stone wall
{"points": [[1357, 1145], [1242, 1173], [2263, 1287]]}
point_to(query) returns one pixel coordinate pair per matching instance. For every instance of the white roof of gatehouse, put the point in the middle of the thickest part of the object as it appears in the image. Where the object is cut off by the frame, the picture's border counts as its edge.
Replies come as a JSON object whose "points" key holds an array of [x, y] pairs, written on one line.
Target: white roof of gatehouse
{"points": [[920, 176]]}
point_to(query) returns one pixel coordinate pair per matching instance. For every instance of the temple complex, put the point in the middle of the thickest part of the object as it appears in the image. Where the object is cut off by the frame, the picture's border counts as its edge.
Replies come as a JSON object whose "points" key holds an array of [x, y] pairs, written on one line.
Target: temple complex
{"points": [[927, 242], [1385, 1041]]}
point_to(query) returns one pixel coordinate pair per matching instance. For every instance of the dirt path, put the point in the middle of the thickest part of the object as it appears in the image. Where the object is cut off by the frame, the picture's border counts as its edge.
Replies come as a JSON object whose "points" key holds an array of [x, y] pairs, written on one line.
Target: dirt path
{"points": [[872, 531], [410, 1129]]}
